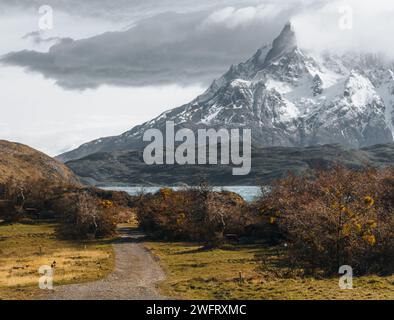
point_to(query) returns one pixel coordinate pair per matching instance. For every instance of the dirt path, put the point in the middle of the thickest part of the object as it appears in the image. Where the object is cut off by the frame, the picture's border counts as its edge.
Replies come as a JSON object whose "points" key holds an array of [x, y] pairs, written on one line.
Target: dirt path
{"points": [[135, 275]]}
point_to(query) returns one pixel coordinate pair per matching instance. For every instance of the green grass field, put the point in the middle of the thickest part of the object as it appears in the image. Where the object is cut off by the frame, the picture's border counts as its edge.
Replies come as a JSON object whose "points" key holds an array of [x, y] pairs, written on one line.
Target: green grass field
{"points": [[215, 274], [25, 247], [231, 272]]}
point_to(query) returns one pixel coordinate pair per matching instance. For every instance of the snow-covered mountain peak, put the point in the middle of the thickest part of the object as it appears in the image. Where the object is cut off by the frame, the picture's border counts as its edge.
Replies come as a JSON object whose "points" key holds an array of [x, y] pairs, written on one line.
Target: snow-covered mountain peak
{"points": [[285, 43], [287, 96]]}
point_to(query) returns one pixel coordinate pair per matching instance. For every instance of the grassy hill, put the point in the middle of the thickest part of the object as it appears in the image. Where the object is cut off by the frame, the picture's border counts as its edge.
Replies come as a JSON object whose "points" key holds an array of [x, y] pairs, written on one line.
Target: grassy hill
{"points": [[22, 162]]}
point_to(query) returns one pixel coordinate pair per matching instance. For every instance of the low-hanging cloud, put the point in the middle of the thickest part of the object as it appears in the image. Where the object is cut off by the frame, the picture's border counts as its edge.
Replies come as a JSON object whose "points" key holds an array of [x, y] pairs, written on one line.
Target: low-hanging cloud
{"points": [[232, 17], [351, 25], [169, 48]]}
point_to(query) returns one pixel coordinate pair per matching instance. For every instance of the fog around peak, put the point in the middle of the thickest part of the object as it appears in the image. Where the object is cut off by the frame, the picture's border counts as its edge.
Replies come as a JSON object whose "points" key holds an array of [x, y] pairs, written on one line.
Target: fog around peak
{"points": [[340, 26]]}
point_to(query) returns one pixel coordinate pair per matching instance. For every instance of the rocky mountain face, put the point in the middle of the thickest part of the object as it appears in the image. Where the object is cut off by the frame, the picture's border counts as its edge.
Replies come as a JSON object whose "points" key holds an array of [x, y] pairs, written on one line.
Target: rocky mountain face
{"points": [[288, 97], [23, 163], [127, 168]]}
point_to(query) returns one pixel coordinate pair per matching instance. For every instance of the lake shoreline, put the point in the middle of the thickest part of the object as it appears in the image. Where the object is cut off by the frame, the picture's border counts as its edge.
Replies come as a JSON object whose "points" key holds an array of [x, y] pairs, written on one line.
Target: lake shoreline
{"points": [[248, 193]]}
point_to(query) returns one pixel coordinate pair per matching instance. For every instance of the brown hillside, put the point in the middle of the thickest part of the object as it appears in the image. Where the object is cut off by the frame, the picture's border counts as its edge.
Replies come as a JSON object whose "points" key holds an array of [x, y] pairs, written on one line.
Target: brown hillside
{"points": [[22, 162]]}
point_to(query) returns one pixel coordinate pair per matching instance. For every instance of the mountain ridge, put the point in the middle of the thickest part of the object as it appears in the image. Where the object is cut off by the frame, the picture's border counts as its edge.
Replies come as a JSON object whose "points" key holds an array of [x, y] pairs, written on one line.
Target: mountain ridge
{"points": [[288, 97], [127, 168]]}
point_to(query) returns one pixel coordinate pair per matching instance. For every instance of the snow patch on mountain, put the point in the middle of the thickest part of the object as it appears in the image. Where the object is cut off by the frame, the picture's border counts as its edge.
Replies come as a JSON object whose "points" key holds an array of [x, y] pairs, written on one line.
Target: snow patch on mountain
{"points": [[360, 90], [288, 96]]}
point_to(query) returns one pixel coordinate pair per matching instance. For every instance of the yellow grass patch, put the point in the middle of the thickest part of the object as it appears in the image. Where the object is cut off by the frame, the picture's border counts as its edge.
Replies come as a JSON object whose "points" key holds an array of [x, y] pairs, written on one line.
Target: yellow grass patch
{"points": [[251, 272], [24, 248]]}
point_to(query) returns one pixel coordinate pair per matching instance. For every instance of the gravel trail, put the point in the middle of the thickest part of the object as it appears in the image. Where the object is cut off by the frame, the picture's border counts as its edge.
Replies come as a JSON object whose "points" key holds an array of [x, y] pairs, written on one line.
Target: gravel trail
{"points": [[135, 275]]}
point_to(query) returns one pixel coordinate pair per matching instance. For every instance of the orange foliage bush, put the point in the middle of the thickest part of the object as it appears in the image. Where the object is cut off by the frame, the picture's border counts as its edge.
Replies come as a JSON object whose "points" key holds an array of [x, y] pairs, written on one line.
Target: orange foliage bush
{"points": [[85, 216], [336, 217], [82, 211], [193, 214]]}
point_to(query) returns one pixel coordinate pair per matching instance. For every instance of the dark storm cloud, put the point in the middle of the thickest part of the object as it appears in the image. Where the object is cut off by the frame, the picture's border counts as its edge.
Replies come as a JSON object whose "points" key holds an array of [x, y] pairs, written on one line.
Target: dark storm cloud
{"points": [[167, 48]]}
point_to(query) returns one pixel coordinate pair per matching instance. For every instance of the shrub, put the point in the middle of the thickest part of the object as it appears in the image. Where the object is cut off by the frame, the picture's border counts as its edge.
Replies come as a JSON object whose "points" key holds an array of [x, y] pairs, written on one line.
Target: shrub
{"points": [[18, 199], [194, 214], [12, 200], [122, 203], [85, 216], [82, 211], [336, 217]]}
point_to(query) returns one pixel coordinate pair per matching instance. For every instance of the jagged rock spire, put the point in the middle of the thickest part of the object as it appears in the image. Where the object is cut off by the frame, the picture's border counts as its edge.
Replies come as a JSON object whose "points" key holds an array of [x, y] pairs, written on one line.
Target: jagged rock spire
{"points": [[317, 87], [284, 43]]}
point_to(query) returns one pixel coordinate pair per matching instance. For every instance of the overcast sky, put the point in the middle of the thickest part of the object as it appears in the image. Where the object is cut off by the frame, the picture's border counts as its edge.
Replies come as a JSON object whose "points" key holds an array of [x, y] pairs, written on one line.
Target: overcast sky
{"points": [[109, 65]]}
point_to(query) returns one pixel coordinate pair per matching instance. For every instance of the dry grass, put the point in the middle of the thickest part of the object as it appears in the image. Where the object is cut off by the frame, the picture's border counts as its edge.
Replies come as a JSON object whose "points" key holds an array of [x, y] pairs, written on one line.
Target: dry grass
{"points": [[25, 247], [22, 163], [196, 274]]}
